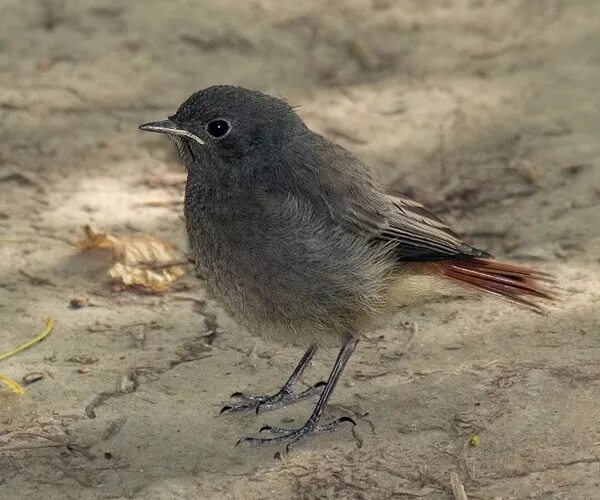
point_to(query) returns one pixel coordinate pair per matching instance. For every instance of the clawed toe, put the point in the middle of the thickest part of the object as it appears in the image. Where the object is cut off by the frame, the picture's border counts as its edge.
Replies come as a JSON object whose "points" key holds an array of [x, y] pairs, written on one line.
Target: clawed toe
{"points": [[288, 437], [267, 403], [331, 426], [249, 397], [284, 397], [291, 437], [273, 430], [234, 408], [249, 402]]}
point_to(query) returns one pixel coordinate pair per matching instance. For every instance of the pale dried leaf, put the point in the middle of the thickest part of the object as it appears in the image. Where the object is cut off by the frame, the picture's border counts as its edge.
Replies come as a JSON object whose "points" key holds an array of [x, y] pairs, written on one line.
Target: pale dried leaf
{"points": [[138, 260], [12, 385]]}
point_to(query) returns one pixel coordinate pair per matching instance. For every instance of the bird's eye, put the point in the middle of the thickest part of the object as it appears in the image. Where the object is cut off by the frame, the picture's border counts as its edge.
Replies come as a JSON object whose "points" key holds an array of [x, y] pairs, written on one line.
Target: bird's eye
{"points": [[218, 128]]}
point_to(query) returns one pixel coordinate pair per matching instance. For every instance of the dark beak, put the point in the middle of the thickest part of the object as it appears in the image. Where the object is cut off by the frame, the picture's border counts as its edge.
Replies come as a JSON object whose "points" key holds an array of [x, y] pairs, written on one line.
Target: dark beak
{"points": [[170, 128]]}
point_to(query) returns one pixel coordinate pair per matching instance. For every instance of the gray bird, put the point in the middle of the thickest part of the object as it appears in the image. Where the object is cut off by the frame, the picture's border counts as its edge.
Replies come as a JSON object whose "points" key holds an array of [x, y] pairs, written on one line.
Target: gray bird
{"points": [[303, 244]]}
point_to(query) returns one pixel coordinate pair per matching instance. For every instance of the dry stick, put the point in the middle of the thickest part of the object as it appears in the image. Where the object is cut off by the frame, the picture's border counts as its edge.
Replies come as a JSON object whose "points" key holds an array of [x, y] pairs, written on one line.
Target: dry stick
{"points": [[12, 385], [29, 343], [458, 489], [30, 447]]}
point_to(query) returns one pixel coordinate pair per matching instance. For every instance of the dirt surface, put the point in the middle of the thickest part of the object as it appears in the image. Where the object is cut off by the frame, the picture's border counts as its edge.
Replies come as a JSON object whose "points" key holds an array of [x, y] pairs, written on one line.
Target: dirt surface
{"points": [[487, 111]]}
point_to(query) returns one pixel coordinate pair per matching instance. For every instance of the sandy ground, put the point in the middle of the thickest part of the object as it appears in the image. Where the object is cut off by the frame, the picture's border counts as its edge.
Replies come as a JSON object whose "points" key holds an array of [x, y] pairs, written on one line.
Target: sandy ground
{"points": [[485, 110]]}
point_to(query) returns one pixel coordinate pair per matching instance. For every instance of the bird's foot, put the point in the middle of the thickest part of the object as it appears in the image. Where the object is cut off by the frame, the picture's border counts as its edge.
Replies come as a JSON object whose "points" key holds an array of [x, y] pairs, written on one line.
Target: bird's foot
{"points": [[267, 403], [291, 437]]}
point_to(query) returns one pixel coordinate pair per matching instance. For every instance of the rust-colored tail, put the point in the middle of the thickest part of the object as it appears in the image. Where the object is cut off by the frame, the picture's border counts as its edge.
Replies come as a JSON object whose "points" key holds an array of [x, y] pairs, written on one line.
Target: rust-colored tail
{"points": [[518, 284]]}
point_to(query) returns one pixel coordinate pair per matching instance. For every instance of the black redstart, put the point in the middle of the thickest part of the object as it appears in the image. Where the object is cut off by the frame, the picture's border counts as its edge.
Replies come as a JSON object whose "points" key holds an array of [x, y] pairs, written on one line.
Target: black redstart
{"points": [[303, 244]]}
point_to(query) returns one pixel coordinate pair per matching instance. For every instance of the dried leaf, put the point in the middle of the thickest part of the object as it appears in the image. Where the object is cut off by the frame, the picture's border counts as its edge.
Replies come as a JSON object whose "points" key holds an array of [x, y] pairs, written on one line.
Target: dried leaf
{"points": [[139, 261], [12, 385]]}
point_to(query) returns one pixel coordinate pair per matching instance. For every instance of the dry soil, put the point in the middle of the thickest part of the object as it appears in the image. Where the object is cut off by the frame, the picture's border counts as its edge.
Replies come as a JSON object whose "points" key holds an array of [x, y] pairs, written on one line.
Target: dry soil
{"points": [[487, 111]]}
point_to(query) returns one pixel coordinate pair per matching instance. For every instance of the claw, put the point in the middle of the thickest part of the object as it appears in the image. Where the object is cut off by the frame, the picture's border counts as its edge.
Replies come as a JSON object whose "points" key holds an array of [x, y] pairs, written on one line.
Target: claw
{"points": [[293, 436], [252, 441], [341, 420], [265, 403], [276, 430], [285, 396], [240, 441], [225, 409], [331, 426]]}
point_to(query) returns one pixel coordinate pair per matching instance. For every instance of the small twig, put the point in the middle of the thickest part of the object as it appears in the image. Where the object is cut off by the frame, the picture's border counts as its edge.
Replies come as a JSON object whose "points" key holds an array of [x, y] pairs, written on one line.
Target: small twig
{"points": [[29, 447], [458, 489], [445, 451], [368, 376], [29, 343], [26, 434]]}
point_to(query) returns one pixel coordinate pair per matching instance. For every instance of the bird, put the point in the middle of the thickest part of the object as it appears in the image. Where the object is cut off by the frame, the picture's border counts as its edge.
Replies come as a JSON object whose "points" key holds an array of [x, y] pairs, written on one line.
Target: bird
{"points": [[304, 245]]}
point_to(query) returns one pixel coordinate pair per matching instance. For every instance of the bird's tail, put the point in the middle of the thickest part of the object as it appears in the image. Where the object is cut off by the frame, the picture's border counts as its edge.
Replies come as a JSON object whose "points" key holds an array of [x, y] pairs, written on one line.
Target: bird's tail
{"points": [[517, 284]]}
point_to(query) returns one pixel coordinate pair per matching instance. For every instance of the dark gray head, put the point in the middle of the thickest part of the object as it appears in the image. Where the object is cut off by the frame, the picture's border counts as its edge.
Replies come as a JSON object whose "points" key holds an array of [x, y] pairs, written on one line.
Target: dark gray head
{"points": [[230, 124]]}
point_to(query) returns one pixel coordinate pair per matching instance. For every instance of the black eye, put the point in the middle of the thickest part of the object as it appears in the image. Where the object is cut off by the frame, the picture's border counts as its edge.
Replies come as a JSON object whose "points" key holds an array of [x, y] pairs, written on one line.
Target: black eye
{"points": [[218, 128]]}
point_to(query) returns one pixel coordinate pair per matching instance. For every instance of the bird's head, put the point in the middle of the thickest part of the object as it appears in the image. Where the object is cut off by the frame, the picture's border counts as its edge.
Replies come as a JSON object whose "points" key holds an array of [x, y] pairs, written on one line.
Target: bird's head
{"points": [[227, 125]]}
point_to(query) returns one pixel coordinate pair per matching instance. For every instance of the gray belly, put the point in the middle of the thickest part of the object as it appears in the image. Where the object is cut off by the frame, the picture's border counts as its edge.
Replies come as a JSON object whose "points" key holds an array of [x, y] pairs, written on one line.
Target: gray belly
{"points": [[297, 287]]}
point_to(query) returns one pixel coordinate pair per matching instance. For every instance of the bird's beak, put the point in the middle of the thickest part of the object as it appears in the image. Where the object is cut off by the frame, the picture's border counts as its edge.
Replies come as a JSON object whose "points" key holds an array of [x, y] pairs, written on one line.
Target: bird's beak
{"points": [[170, 128]]}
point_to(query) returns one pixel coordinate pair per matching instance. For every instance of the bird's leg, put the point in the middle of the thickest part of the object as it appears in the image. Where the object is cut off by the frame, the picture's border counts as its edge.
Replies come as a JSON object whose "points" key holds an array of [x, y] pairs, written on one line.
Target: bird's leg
{"points": [[285, 395], [293, 436]]}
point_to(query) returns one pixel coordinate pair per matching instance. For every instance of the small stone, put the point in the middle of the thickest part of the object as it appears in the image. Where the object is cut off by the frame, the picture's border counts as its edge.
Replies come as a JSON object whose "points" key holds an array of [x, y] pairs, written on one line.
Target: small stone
{"points": [[30, 378], [85, 359], [127, 383], [79, 302]]}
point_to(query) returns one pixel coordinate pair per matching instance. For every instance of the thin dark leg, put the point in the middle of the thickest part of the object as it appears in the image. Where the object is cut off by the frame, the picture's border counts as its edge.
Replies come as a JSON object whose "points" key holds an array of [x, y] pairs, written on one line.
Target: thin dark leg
{"points": [[285, 395], [293, 436]]}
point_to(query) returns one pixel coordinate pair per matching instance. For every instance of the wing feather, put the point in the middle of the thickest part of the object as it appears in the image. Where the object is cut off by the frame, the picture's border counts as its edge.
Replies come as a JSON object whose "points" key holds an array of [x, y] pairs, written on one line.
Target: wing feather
{"points": [[343, 189]]}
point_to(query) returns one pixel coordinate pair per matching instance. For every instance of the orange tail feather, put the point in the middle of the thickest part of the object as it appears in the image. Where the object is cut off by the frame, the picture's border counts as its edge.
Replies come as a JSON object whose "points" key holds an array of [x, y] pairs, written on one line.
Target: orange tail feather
{"points": [[517, 284]]}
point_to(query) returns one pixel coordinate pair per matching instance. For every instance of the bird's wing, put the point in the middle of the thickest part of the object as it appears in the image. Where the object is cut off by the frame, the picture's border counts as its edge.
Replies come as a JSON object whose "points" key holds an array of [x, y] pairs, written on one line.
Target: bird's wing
{"points": [[356, 200], [418, 235]]}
